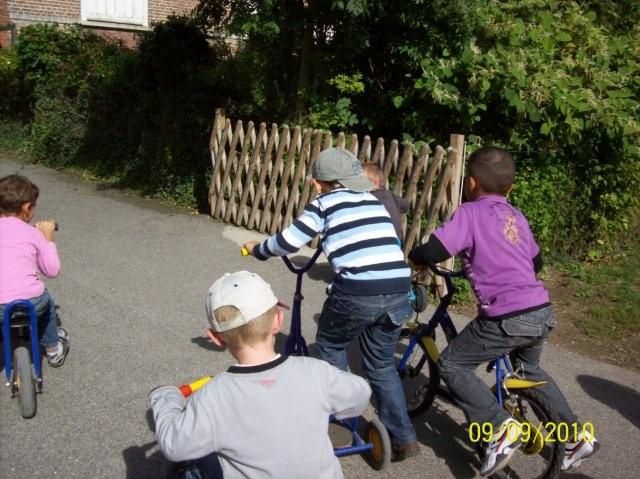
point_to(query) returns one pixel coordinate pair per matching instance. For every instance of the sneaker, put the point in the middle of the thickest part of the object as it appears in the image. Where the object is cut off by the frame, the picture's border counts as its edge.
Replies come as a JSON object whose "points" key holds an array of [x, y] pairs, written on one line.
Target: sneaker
{"points": [[576, 452], [56, 358], [505, 442], [62, 333], [405, 451]]}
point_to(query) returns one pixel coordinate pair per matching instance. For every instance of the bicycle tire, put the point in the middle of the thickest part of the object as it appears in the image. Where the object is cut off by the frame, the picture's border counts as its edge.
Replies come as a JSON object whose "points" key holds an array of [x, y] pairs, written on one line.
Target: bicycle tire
{"points": [[551, 452], [379, 456], [420, 389], [24, 383]]}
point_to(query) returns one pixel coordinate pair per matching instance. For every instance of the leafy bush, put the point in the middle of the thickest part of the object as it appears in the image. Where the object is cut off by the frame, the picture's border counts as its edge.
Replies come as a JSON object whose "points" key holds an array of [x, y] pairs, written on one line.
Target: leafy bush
{"points": [[58, 129], [545, 76], [11, 97]]}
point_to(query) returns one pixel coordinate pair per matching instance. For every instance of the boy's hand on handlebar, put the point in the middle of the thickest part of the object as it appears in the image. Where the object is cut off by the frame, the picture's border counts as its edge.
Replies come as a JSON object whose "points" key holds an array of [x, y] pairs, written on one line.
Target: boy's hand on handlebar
{"points": [[47, 227], [248, 247], [416, 267]]}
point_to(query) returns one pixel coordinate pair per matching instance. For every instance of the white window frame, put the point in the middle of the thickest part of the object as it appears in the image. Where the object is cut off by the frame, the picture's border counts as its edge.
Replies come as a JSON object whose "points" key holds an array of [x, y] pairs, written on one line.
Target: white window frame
{"points": [[86, 19]]}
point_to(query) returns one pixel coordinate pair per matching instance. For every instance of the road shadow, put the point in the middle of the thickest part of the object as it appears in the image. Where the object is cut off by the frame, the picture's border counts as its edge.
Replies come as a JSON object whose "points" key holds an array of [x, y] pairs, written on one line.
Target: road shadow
{"points": [[140, 462], [623, 399], [321, 272], [205, 343], [448, 441]]}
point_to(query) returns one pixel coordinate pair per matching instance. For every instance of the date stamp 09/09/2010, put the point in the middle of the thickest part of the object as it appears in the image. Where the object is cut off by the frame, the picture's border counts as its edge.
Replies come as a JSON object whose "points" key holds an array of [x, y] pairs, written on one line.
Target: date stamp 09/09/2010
{"points": [[548, 431]]}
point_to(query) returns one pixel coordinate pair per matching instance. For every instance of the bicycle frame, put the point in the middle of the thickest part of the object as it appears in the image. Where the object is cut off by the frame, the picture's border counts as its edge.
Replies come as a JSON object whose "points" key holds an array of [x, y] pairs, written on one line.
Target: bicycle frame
{"points": [[503, 368], [32, 325]]}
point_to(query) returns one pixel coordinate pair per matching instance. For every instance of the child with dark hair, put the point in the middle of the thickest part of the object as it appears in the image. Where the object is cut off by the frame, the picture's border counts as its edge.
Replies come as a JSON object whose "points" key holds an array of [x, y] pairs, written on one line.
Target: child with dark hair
{"points": [[25, 251], [501, 260], [396, 206]]}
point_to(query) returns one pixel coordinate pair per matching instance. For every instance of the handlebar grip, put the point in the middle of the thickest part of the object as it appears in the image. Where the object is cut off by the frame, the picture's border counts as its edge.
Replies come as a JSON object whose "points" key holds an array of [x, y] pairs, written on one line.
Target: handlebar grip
{"points": [[244, 251], [56, 227], [188, 389]]}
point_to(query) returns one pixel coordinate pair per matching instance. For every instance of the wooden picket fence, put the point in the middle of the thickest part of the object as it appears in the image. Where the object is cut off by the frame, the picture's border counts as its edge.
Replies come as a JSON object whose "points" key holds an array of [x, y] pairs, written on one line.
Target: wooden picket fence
{"points": [[259, 174]]}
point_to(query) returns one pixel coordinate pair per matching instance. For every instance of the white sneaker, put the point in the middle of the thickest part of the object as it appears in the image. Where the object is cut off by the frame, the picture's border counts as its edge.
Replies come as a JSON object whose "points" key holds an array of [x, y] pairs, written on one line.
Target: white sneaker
{"points": [[56, 358], [62, 333], [576, 452], [505, 442]]}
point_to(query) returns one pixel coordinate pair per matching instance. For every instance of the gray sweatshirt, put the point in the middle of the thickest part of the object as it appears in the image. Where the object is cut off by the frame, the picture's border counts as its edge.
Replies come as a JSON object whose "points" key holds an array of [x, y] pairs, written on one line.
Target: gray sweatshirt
{"points": [[265, 421]]}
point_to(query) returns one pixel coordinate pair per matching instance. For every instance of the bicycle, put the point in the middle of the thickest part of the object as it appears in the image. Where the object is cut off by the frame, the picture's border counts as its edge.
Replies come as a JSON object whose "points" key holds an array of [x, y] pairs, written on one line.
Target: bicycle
{"points": [[21, 354], [374, 442], [542, 452]]}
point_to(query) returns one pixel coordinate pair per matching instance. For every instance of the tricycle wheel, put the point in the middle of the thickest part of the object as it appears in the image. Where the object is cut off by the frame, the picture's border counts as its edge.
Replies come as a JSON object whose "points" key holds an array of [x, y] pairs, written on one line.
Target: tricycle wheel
{"points": [[380, 455], [24, 382]]}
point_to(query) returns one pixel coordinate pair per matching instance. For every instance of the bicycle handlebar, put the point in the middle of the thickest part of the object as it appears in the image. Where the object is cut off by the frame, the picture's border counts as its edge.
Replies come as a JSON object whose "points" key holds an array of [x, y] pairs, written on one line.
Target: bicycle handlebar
{"points": [[440, 271]]}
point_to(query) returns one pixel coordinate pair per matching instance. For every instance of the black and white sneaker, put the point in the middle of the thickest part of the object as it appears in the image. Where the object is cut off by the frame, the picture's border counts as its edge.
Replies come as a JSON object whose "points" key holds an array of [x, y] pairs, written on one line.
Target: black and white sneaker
{"points": [[576, 452], [56, 358], [505, 442]]}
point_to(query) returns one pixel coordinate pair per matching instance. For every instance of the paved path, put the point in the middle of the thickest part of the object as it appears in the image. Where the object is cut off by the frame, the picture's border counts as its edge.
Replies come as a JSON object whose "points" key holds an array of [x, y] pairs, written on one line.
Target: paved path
{"points": [[131, 295]]}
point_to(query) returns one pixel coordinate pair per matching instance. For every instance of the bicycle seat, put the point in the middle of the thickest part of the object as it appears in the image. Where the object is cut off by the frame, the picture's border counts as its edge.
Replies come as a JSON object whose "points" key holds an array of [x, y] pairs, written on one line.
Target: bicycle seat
{"points": [[19, 318]]}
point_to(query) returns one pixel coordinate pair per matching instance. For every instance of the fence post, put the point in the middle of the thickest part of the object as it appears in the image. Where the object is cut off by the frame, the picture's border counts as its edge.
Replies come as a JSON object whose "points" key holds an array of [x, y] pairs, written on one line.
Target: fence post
{"points": [[456, 143]]}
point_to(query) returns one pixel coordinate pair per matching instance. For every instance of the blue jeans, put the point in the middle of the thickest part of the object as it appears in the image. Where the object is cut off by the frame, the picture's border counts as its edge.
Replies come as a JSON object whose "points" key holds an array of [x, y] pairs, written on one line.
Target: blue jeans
{"points": [[375, 321], [482, 340], [47, 318], [207, 467]]}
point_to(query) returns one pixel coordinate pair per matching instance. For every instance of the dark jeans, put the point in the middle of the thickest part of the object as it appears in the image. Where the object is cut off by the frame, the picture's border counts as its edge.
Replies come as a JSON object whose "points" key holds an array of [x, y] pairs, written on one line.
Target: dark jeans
{"points": [[47, 318], [207, 467], [375, 321], [483, 340]]}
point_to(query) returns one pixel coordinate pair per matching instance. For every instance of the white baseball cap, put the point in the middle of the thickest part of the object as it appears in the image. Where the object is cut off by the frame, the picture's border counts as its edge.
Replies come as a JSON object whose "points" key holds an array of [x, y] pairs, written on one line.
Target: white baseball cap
{"points": [[247, 292]]}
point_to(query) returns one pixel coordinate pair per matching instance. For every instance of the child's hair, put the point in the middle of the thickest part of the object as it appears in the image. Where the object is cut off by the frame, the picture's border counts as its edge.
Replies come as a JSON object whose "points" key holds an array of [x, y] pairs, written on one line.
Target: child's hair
{"points": [[493, 168], [330, 185], [16, 190], [373, 171], [255, 331]]}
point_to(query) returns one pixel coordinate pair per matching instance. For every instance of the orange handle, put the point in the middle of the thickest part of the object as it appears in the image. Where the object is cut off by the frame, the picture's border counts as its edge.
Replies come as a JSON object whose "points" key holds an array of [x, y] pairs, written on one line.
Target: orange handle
{"points": [[190, 388]]}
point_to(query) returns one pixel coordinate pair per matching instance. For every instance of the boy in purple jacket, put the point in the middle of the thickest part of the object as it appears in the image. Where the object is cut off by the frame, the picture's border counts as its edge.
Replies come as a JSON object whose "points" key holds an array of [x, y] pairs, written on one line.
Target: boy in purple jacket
{"points": [[501, 259]]}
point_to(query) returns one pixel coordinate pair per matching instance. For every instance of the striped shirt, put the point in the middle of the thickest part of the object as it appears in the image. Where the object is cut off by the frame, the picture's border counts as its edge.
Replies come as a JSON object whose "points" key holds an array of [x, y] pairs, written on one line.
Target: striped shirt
{"points": [[358, 238]]}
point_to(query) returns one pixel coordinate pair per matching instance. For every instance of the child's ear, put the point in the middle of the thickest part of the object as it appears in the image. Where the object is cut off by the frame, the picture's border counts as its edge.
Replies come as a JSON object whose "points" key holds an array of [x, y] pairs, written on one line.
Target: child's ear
{"points": [[278, 321], [26, 209], [216, 338]]}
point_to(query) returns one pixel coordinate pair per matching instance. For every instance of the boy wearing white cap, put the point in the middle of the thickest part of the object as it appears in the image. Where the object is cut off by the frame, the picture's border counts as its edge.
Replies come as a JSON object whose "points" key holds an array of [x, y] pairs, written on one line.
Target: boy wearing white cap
{"points": [[267, 416], [368, 300]]}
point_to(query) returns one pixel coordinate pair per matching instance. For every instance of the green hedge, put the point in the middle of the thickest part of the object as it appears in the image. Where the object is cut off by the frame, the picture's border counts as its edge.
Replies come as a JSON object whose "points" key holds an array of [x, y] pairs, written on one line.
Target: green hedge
{"points": [[140, 116]]}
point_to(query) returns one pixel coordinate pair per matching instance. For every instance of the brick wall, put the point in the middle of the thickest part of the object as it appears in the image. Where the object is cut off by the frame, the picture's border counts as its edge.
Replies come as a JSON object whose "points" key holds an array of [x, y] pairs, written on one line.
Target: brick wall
{"points": [[5, 37], [25, 12], [161, 9]]}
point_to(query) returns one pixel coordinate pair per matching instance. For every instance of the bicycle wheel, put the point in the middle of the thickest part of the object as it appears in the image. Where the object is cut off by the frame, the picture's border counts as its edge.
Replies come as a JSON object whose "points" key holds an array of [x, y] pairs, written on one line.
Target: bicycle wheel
{"points": [[420, 383], [541, 453], [24, 382]]}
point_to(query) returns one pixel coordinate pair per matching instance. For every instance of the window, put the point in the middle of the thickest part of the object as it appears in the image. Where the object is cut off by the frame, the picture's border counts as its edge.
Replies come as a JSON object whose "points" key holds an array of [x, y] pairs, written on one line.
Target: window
{"points": [[128, 12]]}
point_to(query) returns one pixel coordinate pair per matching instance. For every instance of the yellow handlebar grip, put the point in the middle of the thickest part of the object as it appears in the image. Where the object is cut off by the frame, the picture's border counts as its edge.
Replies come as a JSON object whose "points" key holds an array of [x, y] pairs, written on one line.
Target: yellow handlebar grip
{"points": [[244, 251], [188, 389], [199, 383]]}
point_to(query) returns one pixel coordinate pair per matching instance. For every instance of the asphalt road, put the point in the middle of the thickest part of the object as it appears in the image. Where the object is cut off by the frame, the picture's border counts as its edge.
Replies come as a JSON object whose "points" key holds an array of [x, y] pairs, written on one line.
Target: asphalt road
{"points": [[131, 292]]}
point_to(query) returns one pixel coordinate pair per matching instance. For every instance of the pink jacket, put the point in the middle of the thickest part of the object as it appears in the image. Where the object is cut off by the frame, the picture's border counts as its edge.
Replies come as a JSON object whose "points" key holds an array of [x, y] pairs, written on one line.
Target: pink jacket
{"points": [[23, 253]]}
